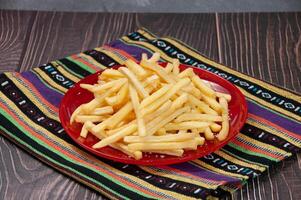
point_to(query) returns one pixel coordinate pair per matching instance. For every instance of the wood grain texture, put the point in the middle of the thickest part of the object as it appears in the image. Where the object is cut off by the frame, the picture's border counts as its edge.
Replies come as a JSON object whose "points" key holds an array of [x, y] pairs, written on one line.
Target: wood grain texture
{"points": [[14, 27], [23, 177], [56, 35], [265, 46]]}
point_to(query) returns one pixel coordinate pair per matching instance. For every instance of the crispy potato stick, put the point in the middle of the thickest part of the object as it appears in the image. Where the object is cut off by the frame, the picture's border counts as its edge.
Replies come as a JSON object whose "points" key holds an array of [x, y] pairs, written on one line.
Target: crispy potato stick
{"points": [[174, 152], [144, 56], [134, 80], [135, 104], [87, 86], [101, 88], [162, 109], [189, 144], [166, 96], [161, 131], [150, 80], [178, 102], [122, 95], [208, 134], [103, 110], [203, 87], [115, 137], [135, 154], [212, 103], [187, 125], [111, 73], [224, 95], [113, 131], [164, 138], [92, 118], [135, 68], [200, 140], [124, 148], [175, 69], [111, 100], [85, 129], [97, 102], [168, 68], [215, 127], [147, 101], [201, 105], [222, 135], [114, 119], [155, 58], [77, 111], [163, 120], [198, 117], [158, 70], [119, 115], [186, 73]]}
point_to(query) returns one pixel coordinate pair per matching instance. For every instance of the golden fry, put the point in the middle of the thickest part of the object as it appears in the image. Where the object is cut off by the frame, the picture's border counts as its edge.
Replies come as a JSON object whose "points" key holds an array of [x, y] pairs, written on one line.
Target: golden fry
{"points": [[134, 80], [135, 104], [222, 135]]}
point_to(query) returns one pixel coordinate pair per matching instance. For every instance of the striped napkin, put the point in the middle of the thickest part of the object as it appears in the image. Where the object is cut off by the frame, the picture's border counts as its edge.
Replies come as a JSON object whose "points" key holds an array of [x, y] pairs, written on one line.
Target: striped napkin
{"points": [[29, 104]]}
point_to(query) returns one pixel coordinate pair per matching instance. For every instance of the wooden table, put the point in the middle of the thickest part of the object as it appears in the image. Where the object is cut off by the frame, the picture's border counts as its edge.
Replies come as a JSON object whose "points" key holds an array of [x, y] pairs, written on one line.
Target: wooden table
{"points": [[266, 46]]}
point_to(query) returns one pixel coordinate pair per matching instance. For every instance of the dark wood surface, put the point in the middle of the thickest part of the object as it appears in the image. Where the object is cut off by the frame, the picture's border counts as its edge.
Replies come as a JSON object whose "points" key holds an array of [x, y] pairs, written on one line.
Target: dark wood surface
{"points": [[266, 46]]}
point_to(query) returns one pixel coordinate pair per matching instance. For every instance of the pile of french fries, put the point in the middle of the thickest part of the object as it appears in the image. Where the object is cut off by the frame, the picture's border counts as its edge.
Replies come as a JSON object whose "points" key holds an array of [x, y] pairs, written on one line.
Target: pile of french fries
{"points": [[147, 108]]}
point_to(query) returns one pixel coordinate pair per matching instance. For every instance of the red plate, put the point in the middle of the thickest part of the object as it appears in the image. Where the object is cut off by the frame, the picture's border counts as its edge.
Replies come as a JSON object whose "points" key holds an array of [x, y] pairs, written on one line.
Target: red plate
{"points": [[77, 96]]}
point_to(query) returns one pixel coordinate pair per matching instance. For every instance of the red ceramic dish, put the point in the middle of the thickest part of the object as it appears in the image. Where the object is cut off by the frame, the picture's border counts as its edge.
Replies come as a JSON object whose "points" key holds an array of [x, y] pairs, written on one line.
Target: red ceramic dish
{"points": [[77, 96]]}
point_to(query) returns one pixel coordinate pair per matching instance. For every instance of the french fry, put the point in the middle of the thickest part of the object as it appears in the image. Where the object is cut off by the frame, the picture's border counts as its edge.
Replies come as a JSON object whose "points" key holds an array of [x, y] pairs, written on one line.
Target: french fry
{"points": [[224, 95], [175, 70], [158, 70], [87, 87], [153, 97], [189, 144], [203, 87], [114, 119], [208, 134], [212, 103], [134, 80], [168, 68], [166, 96], [187, 126], [215, 127], [135, 104], [77, 111], [161, 131], [122, 95], [101, 88], [198, 117], [205, 108], [225, 124], [103, 110], [115, 137], [186, 73], [160, 121], [111, 73], [91, 118], [144, 56], [155, 58], [124, 148], [136, 68], [164, 138], [85, 129]]}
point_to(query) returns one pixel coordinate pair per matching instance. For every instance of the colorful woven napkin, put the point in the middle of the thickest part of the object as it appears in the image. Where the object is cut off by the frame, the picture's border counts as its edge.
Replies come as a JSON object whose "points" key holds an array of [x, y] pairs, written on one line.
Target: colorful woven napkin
{"points": [[29, 104]]}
